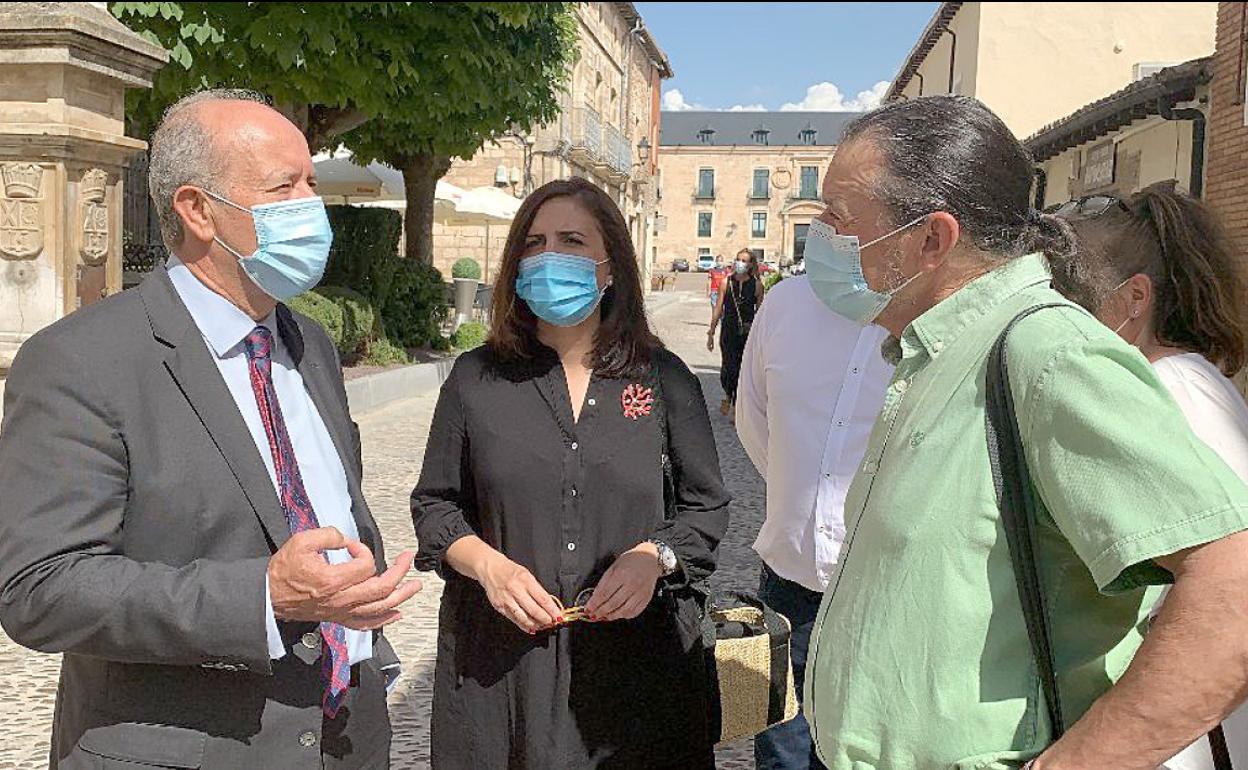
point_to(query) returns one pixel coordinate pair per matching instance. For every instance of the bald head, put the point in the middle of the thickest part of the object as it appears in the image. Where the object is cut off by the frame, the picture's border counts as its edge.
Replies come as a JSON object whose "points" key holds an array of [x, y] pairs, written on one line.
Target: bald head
{"points": [[217, 140]]}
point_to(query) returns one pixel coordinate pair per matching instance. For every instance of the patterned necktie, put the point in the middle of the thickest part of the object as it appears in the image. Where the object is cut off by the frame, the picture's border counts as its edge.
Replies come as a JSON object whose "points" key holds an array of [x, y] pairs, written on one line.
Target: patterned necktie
{"points": [[335, 662]]}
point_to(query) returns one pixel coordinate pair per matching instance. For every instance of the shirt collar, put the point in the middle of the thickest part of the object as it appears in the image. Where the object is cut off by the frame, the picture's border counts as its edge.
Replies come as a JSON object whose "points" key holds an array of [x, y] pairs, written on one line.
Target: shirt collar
{"points": [[222, 324], [937, 328]]}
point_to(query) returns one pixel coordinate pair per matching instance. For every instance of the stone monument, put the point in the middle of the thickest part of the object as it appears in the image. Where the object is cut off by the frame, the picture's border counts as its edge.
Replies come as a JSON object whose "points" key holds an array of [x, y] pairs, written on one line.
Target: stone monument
{"points": [[64, 69]]}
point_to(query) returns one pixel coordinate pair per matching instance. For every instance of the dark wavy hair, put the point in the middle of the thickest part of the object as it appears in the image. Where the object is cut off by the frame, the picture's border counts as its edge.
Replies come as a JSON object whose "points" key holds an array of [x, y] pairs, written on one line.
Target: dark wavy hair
{"points": [[624, 346], [1175, 240], [752, 260]]}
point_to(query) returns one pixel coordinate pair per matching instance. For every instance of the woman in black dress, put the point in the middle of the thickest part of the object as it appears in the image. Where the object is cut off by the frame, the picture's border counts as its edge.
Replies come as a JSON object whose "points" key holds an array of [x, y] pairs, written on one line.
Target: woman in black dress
{"points": [[544, 481], [738, 302]]}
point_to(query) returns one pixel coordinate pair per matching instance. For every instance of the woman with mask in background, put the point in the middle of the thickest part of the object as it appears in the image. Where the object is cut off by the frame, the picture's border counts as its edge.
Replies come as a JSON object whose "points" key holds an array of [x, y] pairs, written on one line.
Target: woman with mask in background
{"points": [[738, 302], [1156, 269], [542, 501]]}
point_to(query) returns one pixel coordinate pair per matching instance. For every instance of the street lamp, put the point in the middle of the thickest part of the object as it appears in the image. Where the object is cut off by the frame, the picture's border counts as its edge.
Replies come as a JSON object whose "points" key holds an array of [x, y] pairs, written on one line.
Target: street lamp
{"points": [[643, 152]]}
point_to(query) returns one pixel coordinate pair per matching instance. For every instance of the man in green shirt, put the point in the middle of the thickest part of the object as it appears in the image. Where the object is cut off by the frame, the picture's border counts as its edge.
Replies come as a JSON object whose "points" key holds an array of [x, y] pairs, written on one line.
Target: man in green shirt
{"points": [[920, 656]]}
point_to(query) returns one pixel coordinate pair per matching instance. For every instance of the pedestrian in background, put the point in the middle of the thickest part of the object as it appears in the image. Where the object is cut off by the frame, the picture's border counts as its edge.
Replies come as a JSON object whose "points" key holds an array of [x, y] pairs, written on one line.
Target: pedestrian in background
{"points": [[543, 488], [738, 302], [812, 383], [1157, 270]]}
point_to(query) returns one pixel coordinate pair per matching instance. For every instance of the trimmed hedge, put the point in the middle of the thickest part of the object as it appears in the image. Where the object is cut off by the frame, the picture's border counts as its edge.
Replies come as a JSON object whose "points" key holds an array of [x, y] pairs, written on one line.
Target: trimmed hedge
{"points": [[466, 268], [324, 311], [470, 335], [361, 322], [365, 250], [416, 306]]}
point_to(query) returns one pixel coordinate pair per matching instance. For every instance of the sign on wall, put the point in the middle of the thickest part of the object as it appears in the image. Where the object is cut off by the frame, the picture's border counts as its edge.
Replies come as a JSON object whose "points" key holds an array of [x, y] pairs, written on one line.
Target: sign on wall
{"points": [[1099, 165]]}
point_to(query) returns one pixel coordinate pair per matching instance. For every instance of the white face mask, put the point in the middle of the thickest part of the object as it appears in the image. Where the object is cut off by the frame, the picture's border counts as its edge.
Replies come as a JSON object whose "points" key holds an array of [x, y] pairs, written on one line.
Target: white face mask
{"points": [[834, 268], [740, 267]]}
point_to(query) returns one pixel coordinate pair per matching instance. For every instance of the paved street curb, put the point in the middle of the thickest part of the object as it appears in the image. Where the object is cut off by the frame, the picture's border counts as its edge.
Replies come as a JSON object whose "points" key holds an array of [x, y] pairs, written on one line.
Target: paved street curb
{"points": [[371, 392]]}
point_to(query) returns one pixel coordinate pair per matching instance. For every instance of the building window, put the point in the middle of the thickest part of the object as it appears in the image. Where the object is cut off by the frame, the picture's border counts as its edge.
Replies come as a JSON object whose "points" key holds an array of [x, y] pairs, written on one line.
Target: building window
{"points": [[808, 135], [762, 181], [758, 254], [704, 251], [761, 135], [707, 135], [704, 224], [809, 183], [706, 183], [799, 242], [758, 224]]}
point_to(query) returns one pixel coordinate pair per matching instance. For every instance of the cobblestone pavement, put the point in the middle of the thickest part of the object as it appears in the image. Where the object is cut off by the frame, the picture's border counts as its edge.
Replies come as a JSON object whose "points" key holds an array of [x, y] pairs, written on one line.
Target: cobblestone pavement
{"points": [[394, 441]]}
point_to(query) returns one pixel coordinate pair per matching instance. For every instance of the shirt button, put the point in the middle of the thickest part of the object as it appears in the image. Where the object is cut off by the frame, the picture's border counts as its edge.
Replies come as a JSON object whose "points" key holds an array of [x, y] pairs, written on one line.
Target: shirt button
{"points": [[840, 423], [311, 641], [593, 402], [574, 491], [307, 740], [869, 467], [900, 386], [575, 446], [854, 370], [571, 546], [938, 346]]}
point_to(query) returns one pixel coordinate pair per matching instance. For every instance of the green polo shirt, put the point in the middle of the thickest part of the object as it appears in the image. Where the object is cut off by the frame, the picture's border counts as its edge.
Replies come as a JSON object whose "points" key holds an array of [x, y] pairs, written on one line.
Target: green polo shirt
{"points": [[919, 657]]}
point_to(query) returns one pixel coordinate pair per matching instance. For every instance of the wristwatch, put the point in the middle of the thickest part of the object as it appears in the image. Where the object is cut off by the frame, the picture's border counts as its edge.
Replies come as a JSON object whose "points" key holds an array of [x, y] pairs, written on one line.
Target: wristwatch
{"points": [[667, 558]]}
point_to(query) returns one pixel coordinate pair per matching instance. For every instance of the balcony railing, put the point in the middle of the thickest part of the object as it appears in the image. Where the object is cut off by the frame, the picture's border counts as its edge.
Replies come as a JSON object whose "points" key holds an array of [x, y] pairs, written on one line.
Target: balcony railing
{"points": [[585, 138]]}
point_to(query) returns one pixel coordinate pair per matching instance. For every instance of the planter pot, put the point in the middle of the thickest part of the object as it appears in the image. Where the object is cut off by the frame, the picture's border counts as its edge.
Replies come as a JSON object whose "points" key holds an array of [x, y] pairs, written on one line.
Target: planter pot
{"points": [[465, 298]]}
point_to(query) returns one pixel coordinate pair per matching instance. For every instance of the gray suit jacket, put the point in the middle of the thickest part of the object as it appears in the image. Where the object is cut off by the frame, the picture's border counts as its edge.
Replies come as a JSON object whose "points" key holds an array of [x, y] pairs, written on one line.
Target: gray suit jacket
{"points": [[136, 524]]}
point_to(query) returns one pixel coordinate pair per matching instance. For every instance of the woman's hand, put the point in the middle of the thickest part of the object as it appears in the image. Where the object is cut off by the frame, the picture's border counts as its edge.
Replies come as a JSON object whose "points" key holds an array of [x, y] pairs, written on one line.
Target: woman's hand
{"points": [[710, 340], [517, 596], [627, 587]]}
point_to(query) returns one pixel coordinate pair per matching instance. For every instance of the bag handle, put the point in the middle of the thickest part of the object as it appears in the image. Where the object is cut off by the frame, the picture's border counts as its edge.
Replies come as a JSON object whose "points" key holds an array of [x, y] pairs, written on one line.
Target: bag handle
{"points": [[1012, 481]]}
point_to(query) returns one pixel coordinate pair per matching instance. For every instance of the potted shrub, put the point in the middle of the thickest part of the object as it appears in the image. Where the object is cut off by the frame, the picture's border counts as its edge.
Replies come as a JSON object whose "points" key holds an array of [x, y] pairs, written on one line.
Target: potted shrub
{"points": [[467, 275]]}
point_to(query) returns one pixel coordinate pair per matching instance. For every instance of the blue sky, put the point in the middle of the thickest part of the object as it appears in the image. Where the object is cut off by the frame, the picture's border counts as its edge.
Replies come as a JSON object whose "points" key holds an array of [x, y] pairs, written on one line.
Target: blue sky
{"points": [[821, 56]]}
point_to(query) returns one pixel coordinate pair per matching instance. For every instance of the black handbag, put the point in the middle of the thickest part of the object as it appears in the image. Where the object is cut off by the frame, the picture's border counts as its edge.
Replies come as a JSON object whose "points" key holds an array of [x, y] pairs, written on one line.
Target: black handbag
{"points": [[1012, 480]]}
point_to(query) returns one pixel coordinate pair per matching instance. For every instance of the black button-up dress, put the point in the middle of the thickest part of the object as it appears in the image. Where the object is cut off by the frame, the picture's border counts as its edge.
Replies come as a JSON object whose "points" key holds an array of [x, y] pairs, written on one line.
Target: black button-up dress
{"points": [[507, 462]]}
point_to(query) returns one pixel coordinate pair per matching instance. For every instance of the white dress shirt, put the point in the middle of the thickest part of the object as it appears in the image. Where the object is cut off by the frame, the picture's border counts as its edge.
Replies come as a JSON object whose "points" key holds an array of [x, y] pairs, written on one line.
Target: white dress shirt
{"points": [[224, 327], [812, 384]]}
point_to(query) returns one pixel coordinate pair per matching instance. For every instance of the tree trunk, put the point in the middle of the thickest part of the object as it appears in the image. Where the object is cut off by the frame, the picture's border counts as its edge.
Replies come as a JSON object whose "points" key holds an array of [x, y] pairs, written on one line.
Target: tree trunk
{"points": [[421, 173]]}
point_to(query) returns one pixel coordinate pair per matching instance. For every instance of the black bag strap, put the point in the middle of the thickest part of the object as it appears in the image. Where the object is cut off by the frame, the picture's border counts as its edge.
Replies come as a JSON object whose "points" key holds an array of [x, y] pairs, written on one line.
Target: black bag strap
{"points": [[1018, 516], [660, 413]]}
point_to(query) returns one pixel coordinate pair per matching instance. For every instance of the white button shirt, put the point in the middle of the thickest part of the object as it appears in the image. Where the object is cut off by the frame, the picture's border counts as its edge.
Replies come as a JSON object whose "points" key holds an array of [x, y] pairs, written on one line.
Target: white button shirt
{"points": [[812, 384], [224, 327]]}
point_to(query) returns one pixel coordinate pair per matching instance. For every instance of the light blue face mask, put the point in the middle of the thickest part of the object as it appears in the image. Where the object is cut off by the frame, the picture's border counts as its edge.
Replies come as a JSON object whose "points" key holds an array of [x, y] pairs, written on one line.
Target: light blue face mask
{"points": [[560, 289], [834, 267], [292, 245]]}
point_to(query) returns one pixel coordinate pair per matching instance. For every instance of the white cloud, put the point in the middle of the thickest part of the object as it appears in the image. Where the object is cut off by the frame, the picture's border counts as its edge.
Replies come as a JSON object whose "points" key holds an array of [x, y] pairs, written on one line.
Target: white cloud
{"points": [[826, 97], [674, 101], [747, 108]]}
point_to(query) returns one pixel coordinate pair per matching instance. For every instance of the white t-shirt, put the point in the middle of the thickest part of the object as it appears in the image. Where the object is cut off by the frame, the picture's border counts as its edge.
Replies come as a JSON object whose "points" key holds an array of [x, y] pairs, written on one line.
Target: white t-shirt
{"points": [[1218, 415]]}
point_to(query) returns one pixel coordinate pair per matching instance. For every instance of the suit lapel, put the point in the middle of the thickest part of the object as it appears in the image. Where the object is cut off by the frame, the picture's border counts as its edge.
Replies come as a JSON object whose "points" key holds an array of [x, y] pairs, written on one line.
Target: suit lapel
{"points": [[318, 379], [192, 367]]}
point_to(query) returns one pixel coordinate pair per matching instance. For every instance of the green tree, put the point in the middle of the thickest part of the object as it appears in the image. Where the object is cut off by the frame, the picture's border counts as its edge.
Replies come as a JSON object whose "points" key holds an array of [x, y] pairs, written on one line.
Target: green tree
{"points": [[459, 70], [499, 66]]}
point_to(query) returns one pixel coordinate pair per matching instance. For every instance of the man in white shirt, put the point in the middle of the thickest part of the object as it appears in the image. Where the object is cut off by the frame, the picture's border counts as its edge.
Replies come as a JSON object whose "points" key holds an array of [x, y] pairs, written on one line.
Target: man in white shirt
{"points": [[812, 384]]}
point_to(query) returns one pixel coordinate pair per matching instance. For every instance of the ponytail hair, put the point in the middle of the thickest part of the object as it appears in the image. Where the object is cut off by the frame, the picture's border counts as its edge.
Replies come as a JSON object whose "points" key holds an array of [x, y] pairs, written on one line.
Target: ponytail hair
{"points": [[1177, 241]]}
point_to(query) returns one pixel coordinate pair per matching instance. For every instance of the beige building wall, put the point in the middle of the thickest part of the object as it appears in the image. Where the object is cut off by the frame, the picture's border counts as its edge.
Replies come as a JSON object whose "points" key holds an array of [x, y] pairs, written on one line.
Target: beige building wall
{"points": [[733, 206], [932, 76], [1148, 151], [612, 103], [1033, 63]]}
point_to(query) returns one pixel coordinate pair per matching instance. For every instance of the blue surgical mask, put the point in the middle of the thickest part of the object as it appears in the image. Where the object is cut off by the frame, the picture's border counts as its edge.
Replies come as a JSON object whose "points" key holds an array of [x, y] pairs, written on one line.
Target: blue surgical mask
{"points": [[560, 289], [292, 245], [834, 267]]}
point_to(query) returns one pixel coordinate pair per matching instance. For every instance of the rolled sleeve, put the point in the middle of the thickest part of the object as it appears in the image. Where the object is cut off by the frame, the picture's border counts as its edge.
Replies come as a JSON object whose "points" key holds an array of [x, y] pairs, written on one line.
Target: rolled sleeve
{"points": [[444, 491], [701, 516], [1117, 467]]}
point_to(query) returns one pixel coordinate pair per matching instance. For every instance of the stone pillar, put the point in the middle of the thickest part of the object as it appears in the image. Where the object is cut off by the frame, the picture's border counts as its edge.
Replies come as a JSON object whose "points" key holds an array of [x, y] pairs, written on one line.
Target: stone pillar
{"points": [[64, 68]]}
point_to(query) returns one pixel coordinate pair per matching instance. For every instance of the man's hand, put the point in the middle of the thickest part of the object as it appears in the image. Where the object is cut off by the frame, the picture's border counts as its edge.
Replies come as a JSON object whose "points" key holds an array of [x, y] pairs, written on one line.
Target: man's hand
{"points": [[304, 586], [627, 586], [710, 340]]}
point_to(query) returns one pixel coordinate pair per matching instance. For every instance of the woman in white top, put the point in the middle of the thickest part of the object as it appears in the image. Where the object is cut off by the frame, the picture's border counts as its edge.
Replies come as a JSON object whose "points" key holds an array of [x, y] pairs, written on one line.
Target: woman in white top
{"points": [[1157, 269]]}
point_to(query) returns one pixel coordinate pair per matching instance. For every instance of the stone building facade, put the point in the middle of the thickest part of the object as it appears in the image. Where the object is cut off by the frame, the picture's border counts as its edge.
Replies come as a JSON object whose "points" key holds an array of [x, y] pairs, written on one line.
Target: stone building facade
{"points": [[734, 180], [610, 110]]}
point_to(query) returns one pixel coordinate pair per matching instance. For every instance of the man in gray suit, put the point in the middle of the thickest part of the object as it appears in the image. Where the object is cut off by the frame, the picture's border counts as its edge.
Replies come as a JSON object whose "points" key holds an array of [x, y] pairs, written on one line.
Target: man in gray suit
{"points": [[181, 512]]}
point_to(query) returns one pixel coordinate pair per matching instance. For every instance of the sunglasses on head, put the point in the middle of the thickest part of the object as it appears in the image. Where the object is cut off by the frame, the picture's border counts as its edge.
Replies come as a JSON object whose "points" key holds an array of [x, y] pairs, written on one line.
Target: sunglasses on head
{"points": [[1090, 206]]}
